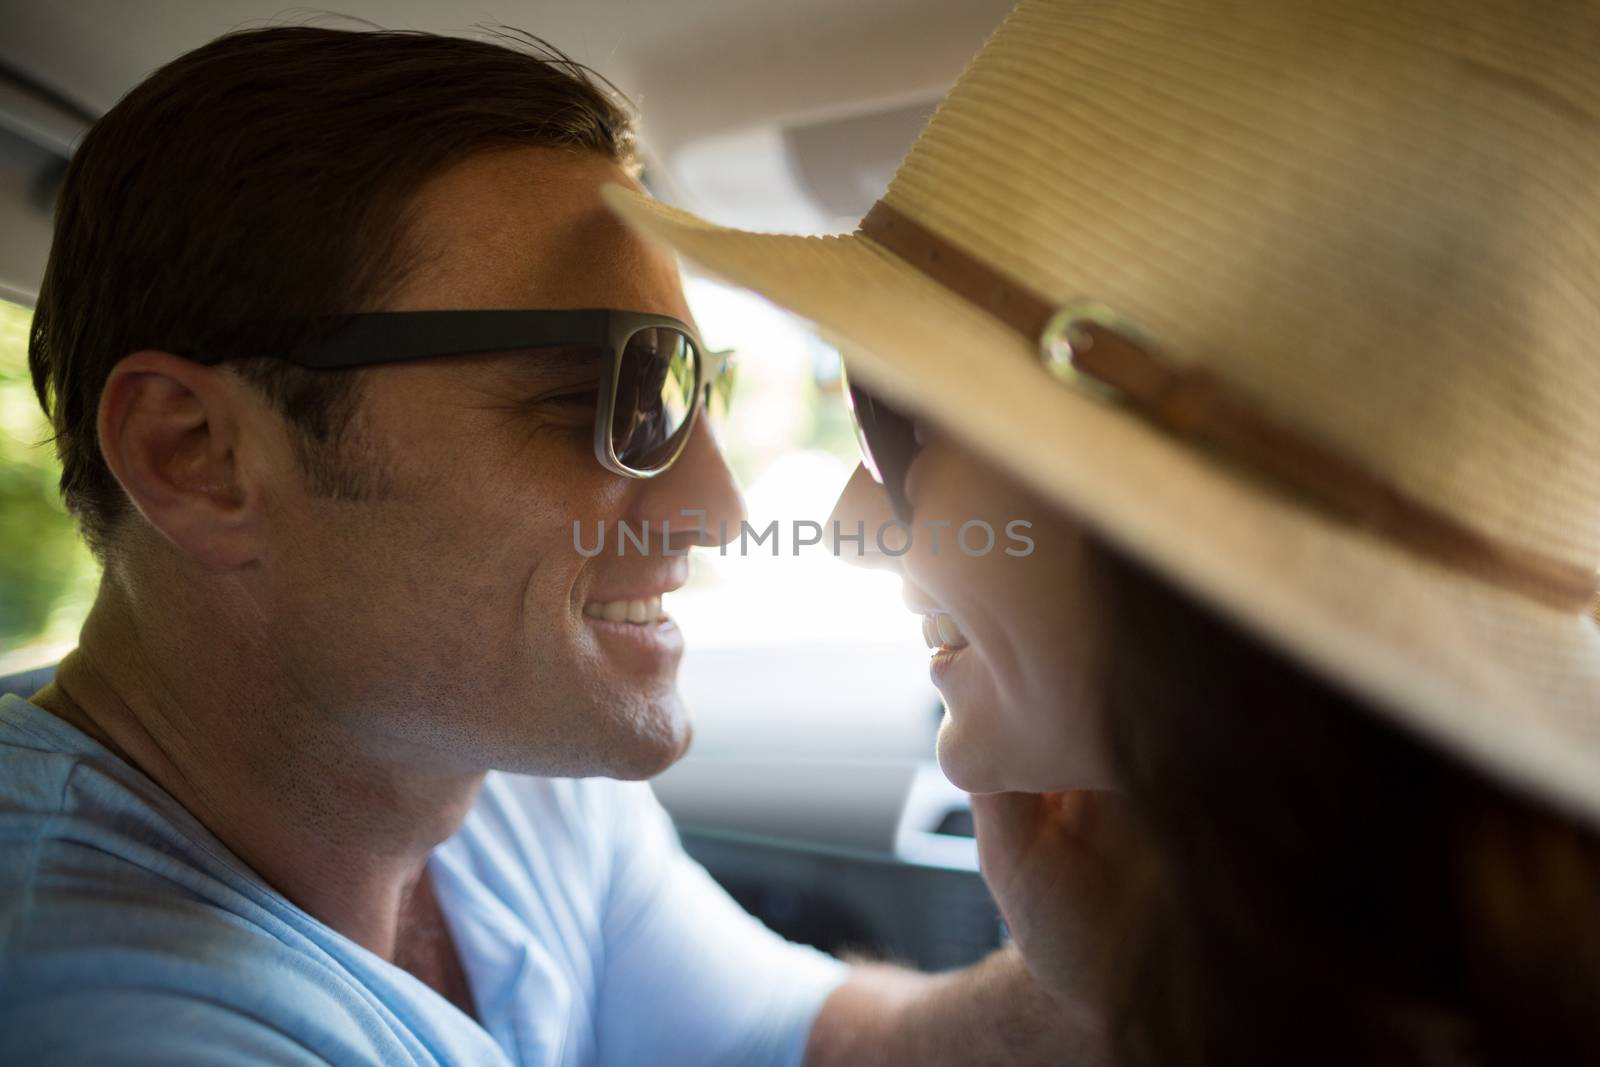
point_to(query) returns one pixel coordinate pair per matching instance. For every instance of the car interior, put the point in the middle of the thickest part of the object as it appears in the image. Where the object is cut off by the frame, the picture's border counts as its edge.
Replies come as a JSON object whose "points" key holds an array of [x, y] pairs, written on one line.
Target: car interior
{"points": [[811, 792]]}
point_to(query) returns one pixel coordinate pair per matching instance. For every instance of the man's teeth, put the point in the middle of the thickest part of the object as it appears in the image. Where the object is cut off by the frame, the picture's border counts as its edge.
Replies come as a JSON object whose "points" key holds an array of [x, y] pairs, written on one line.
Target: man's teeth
{"points": [[941, 632], [638, 612]]}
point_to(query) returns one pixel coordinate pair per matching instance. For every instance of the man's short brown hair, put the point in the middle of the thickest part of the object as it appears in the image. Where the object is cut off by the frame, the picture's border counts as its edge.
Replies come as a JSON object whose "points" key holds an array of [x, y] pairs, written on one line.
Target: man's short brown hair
{"points": [[258, 185]]}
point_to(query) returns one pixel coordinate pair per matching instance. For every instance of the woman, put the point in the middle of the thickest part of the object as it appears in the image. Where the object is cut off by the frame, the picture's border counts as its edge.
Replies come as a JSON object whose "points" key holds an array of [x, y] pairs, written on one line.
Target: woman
{"points": [[1317, 887], [1274, 320]]}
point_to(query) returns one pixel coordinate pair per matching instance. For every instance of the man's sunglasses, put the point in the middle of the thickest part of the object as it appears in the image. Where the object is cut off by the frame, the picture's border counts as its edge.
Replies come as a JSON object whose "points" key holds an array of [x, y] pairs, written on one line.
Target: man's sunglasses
{"points": [[654, 375]]}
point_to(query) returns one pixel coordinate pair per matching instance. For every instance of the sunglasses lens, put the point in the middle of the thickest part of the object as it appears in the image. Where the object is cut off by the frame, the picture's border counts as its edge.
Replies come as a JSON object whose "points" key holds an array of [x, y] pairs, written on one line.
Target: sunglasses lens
{"points": [[656, 384], [888, 444]]}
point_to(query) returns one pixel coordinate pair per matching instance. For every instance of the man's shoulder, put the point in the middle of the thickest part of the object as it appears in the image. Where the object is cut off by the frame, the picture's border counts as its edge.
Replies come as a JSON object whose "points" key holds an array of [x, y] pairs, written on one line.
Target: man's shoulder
{"points": [[92, 904], [78, 826], [120, 918], [132, 934], [156, 958], [139, 1027], [109, 963]]}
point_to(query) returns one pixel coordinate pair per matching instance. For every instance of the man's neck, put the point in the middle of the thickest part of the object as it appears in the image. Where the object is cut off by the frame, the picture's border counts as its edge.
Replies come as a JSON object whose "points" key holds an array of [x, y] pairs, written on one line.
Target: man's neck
{"points": [[339, 831]]}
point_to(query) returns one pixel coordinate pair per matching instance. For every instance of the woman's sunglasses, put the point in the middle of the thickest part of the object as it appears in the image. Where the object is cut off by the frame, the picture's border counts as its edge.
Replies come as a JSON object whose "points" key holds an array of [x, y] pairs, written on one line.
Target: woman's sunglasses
{"points": [[888, 441], [654, 374]]}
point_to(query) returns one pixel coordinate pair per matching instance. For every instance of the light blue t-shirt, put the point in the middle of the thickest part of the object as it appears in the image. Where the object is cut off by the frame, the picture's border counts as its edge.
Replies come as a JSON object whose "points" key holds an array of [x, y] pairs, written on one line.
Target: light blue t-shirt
{"points": [[130, 935]]}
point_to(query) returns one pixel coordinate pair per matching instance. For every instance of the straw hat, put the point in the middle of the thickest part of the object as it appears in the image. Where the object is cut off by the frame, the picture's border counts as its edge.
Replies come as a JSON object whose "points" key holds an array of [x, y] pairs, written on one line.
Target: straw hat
{"points": [[1344, 261]]}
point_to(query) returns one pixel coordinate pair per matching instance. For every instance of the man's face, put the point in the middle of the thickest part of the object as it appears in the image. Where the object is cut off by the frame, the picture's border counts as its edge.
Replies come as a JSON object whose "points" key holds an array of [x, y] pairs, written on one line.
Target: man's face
{"points": [[444, 622]]}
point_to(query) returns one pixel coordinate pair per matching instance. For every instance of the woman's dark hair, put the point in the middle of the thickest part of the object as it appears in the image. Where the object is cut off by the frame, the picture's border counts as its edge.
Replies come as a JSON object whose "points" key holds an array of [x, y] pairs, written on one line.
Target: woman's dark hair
{"points": [[258, 185], [1328, 889]]}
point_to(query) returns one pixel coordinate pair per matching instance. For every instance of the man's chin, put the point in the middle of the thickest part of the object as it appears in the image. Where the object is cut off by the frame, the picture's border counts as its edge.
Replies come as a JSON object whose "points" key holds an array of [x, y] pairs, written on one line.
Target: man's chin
{"points": [[655, 751], [638, 739], [614, 731]]}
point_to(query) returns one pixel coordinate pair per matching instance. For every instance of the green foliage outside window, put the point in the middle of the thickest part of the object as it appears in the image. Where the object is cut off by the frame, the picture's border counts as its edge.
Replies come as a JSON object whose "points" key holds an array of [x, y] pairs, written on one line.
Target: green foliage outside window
{"points": [[47, 577]]}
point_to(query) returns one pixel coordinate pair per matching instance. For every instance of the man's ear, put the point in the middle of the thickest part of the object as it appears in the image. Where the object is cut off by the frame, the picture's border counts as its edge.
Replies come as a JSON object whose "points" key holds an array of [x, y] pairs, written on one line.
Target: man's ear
{"points": [[170, 431]]}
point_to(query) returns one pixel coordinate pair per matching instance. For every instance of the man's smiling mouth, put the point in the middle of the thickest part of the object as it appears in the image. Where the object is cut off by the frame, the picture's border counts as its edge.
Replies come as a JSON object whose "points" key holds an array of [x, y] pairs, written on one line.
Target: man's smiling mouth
{"points": [[641, 612], [629, 606]]}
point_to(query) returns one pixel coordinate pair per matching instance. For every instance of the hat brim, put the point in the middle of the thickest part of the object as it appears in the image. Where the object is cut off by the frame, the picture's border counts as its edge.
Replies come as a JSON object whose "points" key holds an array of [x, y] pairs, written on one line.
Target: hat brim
{"points": [[1499, 679]]}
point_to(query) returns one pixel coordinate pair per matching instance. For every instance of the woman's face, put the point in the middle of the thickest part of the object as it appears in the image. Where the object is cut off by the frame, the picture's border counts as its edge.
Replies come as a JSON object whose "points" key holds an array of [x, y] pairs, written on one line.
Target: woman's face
{"points": [[1014, 625]]}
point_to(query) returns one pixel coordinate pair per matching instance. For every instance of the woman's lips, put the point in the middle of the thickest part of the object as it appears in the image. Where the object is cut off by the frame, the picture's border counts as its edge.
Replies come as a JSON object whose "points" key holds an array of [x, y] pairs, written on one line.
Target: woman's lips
{"points": [[942, 663], [944, 636]]}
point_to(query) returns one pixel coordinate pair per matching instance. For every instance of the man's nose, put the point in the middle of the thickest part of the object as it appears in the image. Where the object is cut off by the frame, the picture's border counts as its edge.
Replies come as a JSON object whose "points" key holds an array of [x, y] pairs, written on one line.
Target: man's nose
{"points": [[698, 496], [862, 528]]}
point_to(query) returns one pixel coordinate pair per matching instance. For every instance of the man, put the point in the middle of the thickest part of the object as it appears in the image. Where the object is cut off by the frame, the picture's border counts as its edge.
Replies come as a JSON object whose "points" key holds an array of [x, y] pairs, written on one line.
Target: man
{"points": [[253, 821]]}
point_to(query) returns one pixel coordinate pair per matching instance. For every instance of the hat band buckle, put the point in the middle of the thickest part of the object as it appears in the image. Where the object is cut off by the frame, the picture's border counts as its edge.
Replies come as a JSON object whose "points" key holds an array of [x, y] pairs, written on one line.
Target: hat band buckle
{"points": [[1091, 348]]}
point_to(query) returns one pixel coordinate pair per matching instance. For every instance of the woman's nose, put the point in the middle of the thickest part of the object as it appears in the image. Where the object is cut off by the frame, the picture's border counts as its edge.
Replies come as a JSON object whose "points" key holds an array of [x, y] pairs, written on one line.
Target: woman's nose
{"points": [[862, 528]]}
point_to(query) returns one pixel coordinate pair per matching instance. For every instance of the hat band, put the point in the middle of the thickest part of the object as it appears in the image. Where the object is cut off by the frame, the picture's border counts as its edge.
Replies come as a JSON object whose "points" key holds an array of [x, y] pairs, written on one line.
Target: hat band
{"points": [[1191, 403]]}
